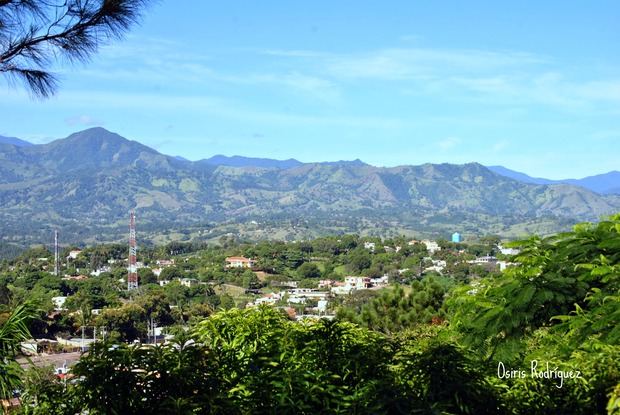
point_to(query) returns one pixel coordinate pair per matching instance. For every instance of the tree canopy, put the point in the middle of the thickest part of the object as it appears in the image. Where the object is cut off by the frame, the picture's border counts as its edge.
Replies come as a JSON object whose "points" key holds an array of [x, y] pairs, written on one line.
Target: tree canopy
{"points": [[33, 33]]}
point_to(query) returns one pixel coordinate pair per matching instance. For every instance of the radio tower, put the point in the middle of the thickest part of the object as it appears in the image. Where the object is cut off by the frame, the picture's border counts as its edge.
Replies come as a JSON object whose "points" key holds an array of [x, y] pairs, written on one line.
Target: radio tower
{"points": [[132, 276], [56, 259]]}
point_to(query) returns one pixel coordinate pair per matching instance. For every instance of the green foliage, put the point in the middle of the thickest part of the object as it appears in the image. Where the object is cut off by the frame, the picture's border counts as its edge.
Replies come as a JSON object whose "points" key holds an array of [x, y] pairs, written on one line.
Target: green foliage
{"points": [[250, 280], [146, 276], [122, 379], [394, 310], [43, 393], [438, 377], [613, 406], [402, 350], [599, 371], [171, 273], [269, 364], [359, 260], [560, 305], [570, 278], [308, 270], [13, 331]]}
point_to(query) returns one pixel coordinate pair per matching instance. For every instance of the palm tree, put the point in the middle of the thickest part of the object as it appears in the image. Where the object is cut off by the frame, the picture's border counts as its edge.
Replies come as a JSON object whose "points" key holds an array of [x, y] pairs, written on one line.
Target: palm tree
{"points": [[13, 331]]}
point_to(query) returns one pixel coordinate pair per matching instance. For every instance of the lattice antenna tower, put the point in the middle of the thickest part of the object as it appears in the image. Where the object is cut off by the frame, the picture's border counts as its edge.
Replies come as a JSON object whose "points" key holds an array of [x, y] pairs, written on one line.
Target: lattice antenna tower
{"points": [[56, 258], [132, 269]]}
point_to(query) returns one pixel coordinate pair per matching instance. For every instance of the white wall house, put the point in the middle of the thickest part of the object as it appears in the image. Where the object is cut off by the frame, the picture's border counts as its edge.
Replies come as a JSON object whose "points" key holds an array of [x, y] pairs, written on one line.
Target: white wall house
{"points": [[239, 262]]}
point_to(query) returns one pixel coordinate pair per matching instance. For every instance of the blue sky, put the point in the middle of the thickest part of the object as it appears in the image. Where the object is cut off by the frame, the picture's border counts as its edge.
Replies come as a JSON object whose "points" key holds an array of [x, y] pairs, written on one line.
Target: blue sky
{"points": [[533, 86]]}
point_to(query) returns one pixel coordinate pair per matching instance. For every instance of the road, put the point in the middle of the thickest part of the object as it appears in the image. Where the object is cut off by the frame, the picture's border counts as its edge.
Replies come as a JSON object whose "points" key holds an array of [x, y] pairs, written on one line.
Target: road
{"points": [[56, 360]]}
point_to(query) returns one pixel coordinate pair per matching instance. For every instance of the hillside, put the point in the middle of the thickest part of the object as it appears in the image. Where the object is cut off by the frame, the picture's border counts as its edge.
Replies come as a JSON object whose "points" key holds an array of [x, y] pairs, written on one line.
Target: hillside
{"points": [[606, 183], [86, 183], [14, 141]]}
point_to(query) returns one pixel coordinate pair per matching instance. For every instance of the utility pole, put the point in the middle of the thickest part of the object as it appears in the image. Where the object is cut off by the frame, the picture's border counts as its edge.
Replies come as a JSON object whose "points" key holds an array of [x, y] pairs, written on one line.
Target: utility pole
{"points": [[56, 259], [132, 269]]}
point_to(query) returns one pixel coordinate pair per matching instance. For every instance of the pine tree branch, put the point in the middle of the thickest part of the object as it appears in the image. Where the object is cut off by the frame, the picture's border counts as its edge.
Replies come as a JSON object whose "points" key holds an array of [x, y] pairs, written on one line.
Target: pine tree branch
{"points": [[33, 33]]}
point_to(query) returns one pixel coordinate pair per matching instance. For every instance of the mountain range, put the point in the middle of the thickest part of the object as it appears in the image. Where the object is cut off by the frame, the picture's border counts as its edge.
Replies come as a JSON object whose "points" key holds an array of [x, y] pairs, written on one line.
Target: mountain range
{"points": [[607, 183], [85, 185], [14, 141]]}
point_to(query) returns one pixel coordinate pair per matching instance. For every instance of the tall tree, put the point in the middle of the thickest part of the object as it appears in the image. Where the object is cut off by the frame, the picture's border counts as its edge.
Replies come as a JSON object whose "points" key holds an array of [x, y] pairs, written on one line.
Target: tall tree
{"points": [[33, 33], [13, 331]]}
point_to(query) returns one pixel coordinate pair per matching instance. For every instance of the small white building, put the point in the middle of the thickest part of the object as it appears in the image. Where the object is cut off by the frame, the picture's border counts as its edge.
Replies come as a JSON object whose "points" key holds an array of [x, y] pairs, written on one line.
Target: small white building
{"points": [[484, 260], [296, 300], [380, 281], [73, 254], [357, 283], [507, 251], [100, 271], [300, 295], [431, 246], [189, 282], [341, 290], [59, 303], [271, 298], [326, 283], [505, 264], [370, 246]]}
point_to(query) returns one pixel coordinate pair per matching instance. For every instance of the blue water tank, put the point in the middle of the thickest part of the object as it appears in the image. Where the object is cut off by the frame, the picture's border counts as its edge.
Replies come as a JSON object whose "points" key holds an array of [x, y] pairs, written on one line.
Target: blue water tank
{"points": [[456, 237]]}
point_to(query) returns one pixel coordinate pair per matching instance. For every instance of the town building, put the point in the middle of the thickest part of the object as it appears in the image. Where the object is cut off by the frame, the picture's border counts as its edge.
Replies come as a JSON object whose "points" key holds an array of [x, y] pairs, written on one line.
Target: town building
{"points": [[239, 262], [73, 254], [431, 246], [507, 251], [370, 246], [59, 303], [189, 282]]}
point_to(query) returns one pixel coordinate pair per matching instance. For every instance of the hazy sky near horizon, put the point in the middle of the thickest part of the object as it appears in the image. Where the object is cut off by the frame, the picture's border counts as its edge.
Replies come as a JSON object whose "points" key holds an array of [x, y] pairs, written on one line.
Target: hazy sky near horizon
{"points": [[533, 86]]}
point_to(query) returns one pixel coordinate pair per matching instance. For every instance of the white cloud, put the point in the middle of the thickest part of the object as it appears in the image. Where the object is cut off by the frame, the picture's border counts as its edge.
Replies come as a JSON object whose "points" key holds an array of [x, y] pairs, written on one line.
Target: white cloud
{"points": [[449, 143], [83, 120], [219, 107], [500, 145], [606, 135], [411, 63], [493, 77]]}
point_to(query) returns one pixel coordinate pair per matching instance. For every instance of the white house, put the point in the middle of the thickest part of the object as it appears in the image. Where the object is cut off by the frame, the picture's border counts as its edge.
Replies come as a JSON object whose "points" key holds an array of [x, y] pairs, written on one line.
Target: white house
{"points": [[73, 254], [326, 283], [101, 270], [189, 282], [431, 246], [380, 281], [239, 262], [484, 260], [370, 246], [507, 251], [59, 303], [341, 290], [357, 283], [270, 299]]}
